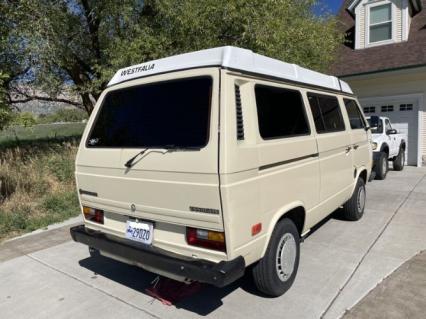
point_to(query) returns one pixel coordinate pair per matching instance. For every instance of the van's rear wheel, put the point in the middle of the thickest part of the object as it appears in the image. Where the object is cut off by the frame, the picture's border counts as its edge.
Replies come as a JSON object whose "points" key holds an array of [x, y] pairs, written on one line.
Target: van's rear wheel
{"points": [[274, 274], [382, 166], [353, 209], [399, 161]]}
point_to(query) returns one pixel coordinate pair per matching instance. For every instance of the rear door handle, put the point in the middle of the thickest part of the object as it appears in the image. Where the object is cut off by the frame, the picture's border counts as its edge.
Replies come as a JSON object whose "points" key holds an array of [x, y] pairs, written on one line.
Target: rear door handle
{"points": [[348, 149], [356, 146]]}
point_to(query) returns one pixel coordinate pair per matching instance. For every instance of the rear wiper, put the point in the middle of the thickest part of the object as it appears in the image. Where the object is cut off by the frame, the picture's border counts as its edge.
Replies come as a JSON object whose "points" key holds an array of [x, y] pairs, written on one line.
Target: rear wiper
{"points": [[129, 163], [163, 150]]}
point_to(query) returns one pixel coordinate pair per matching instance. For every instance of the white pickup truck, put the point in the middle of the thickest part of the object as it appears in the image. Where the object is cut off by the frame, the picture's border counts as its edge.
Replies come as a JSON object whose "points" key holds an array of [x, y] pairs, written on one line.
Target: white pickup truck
{"points": [[387, 144]]}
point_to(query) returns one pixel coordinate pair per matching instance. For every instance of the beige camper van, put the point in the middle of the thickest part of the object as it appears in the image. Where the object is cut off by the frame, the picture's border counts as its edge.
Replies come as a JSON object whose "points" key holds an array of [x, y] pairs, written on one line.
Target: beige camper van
{"points": [[199, 165]]}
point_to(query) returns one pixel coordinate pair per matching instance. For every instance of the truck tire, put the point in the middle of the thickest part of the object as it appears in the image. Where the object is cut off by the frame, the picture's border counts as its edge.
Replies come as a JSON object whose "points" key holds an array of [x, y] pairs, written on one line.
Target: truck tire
{"points": [[382, 166], [353, 209], [274, 274], [399, 161]]}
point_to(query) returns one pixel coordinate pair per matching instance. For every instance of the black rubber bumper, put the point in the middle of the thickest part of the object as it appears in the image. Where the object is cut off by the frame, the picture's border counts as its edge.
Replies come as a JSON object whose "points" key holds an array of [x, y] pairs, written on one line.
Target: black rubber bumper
{"points": [[217, 274]]}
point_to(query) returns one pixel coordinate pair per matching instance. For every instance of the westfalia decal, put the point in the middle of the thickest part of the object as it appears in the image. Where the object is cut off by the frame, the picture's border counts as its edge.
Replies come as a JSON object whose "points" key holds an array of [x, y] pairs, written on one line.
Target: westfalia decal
{"points": [[138, 69]]}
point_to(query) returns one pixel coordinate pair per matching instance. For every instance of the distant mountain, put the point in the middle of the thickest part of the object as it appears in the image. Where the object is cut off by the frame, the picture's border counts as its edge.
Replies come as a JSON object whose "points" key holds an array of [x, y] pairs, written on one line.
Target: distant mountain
{"points": [[42, 107]]}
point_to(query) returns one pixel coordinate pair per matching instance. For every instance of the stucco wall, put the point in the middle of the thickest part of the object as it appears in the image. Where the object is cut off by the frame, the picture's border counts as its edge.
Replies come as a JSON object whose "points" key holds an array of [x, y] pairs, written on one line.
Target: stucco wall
{"points": [[394, 83]]}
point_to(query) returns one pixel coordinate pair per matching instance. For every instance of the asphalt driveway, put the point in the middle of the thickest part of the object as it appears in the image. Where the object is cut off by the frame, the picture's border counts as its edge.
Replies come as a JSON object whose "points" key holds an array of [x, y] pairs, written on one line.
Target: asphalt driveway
{"points": [[46, 275]]}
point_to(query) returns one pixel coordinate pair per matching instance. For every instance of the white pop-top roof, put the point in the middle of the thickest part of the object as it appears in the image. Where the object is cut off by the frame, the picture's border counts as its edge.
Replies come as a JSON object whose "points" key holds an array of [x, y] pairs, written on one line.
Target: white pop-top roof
{"points": [[233, 58]]}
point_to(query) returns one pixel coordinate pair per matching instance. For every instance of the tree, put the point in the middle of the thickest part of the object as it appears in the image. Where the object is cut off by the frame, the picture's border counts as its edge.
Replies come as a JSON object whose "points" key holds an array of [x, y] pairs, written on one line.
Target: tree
{"points": [[79, 44], [5, 113]]}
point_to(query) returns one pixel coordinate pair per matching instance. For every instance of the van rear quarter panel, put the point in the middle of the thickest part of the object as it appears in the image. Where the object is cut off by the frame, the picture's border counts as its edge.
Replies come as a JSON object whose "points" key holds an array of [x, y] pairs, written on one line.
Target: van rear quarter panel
{"points": [[252, 190]]}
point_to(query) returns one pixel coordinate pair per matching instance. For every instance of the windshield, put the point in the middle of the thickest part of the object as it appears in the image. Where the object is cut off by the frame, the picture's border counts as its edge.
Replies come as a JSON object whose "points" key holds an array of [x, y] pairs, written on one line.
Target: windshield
{"points": [[376, 129], [163, 114]]}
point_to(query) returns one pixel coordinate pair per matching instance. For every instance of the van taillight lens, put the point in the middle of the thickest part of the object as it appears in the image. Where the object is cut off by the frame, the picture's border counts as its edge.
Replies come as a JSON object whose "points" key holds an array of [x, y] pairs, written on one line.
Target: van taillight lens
{"points": [[206, 238], [93, 214]]}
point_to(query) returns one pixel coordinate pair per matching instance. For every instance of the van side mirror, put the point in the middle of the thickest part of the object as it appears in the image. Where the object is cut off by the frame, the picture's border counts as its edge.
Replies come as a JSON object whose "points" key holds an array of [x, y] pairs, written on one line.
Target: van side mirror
{"points": [[392, 131]]}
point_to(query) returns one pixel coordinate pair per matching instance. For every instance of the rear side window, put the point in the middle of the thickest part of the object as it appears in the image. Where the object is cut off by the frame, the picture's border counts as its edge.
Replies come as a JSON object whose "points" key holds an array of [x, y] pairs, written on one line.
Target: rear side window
{"points": [[164, 114], [280, 112], [326, 112], [355, 117]]}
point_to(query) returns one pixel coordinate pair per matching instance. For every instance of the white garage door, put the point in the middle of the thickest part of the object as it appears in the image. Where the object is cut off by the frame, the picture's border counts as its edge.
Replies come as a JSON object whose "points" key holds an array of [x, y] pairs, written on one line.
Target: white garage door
{"points": [[404, 117]]}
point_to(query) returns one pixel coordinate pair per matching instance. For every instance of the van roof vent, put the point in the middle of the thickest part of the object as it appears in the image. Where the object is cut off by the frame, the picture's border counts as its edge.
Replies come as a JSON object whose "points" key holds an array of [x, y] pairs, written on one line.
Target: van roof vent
{"points": [[240, 122]]}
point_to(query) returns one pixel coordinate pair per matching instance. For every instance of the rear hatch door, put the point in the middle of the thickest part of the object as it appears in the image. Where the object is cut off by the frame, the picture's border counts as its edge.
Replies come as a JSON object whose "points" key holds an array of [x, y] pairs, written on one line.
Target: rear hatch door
{"points": [[169, 125]]}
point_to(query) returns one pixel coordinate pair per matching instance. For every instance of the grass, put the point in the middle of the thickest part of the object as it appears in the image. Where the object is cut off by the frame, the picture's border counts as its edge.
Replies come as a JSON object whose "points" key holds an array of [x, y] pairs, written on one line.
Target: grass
{"points": [[44, 132], [37, 179]]}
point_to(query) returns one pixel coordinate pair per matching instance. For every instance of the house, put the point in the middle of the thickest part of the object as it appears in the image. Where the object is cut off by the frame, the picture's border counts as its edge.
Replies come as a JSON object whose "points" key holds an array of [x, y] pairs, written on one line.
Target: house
{"points": [[384, 61]]}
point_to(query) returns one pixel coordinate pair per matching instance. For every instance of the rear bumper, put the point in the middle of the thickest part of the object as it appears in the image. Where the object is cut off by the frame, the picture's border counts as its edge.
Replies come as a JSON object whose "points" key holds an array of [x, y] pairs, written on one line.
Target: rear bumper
{"points": [[217, 274]]}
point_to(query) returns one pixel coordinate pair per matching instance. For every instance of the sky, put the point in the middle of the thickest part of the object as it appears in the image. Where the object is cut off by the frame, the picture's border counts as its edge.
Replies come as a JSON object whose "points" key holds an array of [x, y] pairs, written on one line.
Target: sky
{"points": [[333, 5]]}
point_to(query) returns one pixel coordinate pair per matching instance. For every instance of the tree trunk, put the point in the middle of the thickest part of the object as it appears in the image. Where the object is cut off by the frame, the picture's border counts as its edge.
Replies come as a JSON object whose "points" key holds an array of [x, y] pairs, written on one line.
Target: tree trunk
{"points": [[88, 102]]}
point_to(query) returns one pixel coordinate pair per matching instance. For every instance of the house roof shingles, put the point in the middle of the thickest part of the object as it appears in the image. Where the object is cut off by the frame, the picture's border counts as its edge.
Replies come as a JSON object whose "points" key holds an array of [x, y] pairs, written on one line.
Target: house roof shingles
{"points": [[392, 56]]}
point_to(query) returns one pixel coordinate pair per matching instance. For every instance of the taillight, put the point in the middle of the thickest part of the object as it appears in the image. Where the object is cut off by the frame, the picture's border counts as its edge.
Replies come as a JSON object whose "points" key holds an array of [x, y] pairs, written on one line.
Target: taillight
{"points": [[93, 214], [206, 238]]}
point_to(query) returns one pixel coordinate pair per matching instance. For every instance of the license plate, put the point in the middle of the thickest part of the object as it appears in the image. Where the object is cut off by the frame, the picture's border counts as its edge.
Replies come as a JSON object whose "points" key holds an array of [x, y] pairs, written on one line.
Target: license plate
{"points": [[140, 231]]}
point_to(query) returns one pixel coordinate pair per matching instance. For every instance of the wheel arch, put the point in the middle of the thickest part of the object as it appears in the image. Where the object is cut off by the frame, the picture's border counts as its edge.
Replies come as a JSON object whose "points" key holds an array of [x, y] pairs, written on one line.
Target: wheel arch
{"points": [[385, 148], [295, 212], [361, 172]]}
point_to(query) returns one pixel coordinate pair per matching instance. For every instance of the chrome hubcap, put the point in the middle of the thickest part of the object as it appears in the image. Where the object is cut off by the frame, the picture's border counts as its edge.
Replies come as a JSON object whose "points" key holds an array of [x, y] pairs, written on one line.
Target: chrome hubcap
{"points": [[361, 199], [286, 256], [384, 166]]}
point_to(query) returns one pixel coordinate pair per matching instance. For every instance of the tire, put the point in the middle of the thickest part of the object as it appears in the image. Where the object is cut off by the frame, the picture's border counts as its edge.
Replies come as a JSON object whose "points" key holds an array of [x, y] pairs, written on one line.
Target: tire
{"points": [[399, 162], [353, 209], [382, 166], [274, 275]]}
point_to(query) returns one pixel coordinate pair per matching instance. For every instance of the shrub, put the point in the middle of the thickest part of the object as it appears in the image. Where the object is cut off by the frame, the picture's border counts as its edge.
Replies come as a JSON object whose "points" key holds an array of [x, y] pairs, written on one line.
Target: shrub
{"points": [[6, 117], [36, 186], [24, 119]]}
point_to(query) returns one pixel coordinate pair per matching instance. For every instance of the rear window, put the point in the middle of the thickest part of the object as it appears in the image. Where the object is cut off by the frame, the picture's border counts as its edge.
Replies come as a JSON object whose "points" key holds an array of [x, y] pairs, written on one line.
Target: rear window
{"points": [[280, 112], [326, 113], [163, 114], [376, 129]]}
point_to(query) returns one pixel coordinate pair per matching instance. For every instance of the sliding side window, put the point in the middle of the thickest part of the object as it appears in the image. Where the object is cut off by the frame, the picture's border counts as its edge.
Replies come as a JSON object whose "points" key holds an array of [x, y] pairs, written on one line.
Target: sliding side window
{"points": [[280, 112]]}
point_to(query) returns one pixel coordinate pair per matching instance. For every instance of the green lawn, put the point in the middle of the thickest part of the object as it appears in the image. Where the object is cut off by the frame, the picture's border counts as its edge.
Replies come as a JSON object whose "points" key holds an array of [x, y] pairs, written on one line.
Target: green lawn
{"points": [[18, 135]]}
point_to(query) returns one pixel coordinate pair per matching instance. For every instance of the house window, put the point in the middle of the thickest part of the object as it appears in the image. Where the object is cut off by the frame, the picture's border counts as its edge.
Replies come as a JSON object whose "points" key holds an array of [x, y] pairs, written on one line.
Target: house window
{"points": [[387, 108], [380, 23], [406, 107], [369, 109]]}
